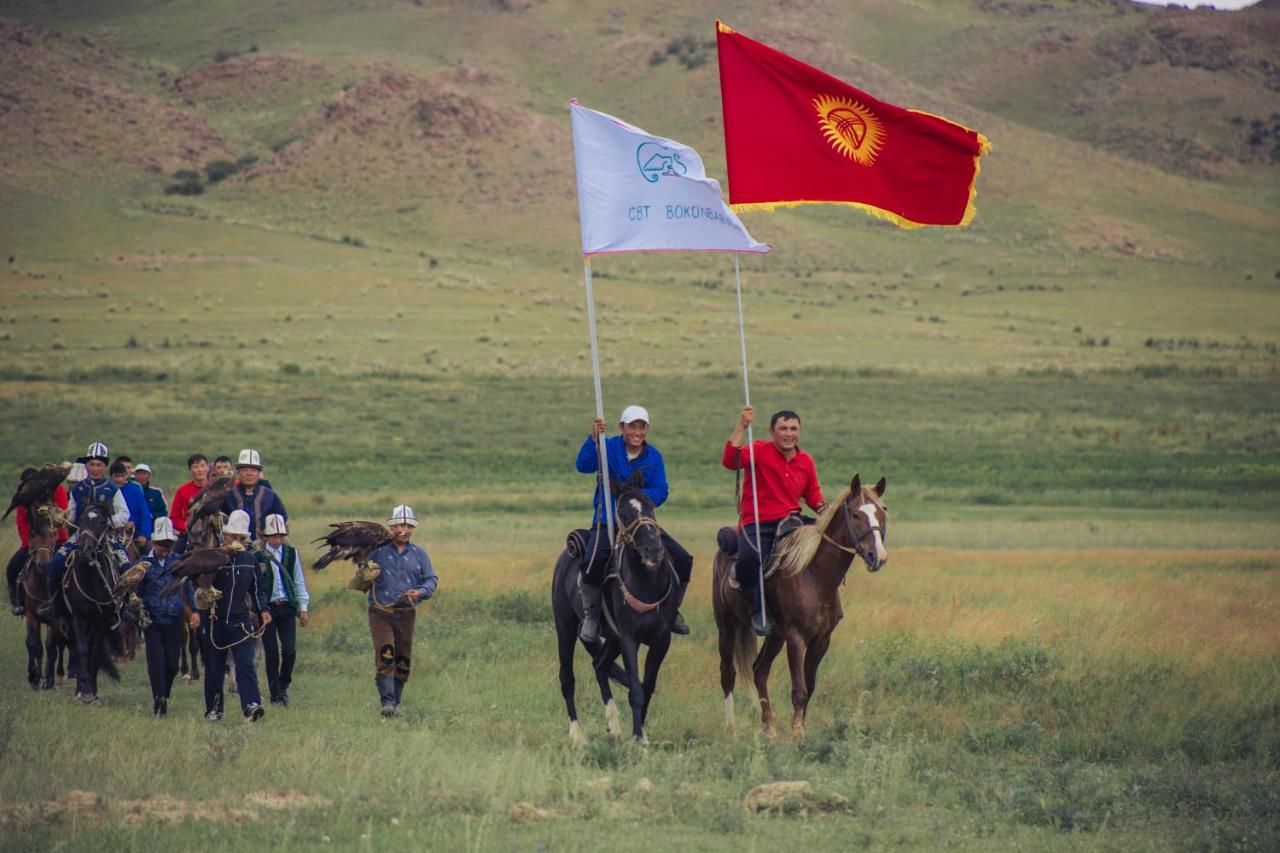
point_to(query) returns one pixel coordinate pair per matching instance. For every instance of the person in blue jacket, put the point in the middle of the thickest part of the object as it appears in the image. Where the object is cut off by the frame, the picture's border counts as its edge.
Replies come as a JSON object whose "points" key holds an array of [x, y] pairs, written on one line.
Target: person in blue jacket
{"points": [[406, 579], [136, 500], [626, 454], [164, 633]]}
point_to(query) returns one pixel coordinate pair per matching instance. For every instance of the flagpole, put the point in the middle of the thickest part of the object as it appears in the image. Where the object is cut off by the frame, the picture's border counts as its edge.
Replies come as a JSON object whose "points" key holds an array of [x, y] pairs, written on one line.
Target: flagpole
{"points": [[606, 489], [751, 447]]}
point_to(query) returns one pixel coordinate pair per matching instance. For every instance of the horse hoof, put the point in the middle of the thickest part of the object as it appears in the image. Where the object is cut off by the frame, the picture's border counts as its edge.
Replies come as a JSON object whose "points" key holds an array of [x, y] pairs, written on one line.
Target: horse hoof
{"points": [[46, 685], [576, 737], [186, 677]]}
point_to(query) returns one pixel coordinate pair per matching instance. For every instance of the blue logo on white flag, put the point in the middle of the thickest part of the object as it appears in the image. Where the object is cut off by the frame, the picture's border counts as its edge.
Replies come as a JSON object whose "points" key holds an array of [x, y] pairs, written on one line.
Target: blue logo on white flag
{"points": [[656, 161]]}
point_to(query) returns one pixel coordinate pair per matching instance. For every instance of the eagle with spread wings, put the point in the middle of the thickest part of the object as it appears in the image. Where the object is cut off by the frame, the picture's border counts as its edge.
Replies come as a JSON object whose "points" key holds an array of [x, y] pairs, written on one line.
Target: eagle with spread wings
{"points": [[352, 540], [199, 564], [37, 486]]}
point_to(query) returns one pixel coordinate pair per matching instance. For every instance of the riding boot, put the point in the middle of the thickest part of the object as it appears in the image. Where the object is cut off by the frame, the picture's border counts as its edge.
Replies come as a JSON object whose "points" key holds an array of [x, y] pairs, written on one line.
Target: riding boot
{"points": [[18, 598], [387, 693], [680, 626], [399, 691], [589, 630], [759, 622]]}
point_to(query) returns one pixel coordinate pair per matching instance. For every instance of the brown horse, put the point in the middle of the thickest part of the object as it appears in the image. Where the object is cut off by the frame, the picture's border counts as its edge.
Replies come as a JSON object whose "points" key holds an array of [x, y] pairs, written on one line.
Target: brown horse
{"points": [[35, 588], [803, 595]]}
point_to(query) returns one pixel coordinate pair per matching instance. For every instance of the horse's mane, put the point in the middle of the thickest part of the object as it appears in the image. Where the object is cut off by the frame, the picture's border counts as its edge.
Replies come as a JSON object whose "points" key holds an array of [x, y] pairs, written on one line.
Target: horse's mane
{"points": [[797, 550]]}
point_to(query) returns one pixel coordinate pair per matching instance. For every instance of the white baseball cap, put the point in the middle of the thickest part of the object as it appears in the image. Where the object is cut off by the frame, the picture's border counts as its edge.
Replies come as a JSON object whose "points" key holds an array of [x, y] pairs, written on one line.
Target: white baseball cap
{"points": [[143, 467], [249, 459], [403, 514], [631, 414], [275, 524], [237, 523], [163, 531]]}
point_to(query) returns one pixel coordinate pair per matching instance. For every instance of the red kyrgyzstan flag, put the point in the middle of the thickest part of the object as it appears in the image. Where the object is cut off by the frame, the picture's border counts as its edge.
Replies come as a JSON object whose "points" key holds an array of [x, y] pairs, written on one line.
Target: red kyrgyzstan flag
{"points": [[796, 135]]}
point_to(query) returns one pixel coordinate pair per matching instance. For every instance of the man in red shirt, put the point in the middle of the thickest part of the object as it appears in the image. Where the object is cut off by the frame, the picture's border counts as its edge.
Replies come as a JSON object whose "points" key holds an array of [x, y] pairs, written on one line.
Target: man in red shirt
{"points": [[783, 475], [198, 465], [61, 497]]}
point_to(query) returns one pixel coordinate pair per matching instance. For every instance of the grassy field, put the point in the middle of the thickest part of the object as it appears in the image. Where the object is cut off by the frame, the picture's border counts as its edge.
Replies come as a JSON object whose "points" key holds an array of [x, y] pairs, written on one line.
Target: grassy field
{"points": [[1074, 402]]}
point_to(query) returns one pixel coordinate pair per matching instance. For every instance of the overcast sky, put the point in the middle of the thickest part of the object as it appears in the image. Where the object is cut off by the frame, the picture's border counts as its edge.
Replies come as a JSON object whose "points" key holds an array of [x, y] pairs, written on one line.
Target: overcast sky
{"points": [[1217, 4]]}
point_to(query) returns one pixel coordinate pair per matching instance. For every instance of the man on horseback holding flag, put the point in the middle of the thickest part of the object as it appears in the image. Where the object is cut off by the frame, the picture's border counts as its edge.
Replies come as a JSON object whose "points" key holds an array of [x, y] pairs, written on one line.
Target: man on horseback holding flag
{"points": [[783, 475], [95, 488], [627, 453]]}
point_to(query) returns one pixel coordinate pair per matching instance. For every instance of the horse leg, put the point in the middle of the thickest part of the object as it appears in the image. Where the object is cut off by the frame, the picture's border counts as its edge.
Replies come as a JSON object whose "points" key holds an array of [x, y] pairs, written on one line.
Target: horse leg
{"points": [[602, 662], [760, 669], [812, 657], [652, 663], [33, 651], [85, 667], [635, 694], [728, 674], [53, 645], [566, 642], [799, 684]]}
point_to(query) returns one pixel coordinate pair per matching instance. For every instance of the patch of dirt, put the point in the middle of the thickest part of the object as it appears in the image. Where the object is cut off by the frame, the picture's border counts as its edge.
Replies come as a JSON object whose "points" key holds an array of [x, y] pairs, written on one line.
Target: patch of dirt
{"points": [[70, 106], [791, 798], [87, 809], [1105, 235]]}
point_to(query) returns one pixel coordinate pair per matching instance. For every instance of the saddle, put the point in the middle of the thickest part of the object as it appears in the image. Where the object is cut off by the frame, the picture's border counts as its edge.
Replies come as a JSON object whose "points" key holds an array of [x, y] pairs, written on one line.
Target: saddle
{"points": [[727, 541]]}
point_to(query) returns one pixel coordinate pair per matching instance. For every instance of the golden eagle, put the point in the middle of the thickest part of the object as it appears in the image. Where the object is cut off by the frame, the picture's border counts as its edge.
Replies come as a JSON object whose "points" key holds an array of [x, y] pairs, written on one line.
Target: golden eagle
{"points": [[37, 486], [352, 540], [204, 516], [197, 564]]}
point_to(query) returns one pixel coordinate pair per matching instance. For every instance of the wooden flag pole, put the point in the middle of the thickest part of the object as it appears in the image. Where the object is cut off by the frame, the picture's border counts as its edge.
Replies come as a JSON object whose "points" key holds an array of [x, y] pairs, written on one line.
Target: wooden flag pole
{"points": [[606, 488], [751, 447]]}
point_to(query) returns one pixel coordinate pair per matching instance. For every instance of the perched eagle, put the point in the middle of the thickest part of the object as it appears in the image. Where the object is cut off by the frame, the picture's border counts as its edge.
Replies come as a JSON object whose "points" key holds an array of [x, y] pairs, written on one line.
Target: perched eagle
{"points": [[352, 540], [198, 563], [37, 486], [209, 500]]}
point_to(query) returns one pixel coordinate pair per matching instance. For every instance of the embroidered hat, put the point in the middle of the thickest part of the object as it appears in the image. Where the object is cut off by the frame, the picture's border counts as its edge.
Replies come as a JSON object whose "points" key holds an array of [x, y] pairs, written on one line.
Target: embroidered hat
{"points": [[237, 523], [274, 525], [403, 514], [631, 414], [163, 531], [249, 459], [99, 451]]}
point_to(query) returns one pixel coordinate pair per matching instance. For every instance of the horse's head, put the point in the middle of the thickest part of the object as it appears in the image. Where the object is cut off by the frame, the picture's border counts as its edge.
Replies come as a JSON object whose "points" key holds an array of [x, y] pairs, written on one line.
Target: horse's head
{"points": [[638, 526], [94, 524], [866, 522]]}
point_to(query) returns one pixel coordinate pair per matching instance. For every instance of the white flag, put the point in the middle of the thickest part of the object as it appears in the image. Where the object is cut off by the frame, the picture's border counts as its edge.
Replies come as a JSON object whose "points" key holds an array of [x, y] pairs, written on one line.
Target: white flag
{"points": [[642, 193]]}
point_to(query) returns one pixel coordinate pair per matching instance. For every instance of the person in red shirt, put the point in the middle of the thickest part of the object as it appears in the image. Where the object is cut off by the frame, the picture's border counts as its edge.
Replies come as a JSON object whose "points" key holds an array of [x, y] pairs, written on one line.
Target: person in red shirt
{"points": [[784, 474], [198, 465], [61, 497]]}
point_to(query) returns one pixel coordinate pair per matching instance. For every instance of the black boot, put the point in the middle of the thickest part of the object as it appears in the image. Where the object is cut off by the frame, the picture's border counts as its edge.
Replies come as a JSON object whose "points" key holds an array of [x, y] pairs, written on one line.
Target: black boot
{"points": [[161, 707], [387, 693], [50, 611], [589, 630], [680, 626], [759, 622], [399, 692]]}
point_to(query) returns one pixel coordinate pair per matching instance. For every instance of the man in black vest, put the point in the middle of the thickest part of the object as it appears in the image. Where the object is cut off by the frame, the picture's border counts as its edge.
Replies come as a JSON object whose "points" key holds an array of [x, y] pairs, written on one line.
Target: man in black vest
{"points": [[250, 495], [281, 582]]}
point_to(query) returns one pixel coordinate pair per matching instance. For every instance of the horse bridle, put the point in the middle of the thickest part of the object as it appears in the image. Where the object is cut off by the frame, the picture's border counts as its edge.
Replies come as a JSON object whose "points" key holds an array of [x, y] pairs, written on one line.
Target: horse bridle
{"points": [[857, 549]]}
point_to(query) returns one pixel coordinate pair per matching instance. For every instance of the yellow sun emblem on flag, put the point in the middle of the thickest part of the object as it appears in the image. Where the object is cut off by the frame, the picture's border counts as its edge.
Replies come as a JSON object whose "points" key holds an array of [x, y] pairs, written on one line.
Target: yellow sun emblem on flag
{"points": [[851, 128]]}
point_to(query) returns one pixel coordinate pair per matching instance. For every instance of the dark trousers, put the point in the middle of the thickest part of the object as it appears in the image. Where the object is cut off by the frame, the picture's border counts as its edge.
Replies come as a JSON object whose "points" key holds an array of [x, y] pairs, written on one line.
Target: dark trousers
{"points": [[16, 562], [748, 564], [202, 637], [280, 645], [163, 644], [392, 632], [595, 562], [221, 636]]}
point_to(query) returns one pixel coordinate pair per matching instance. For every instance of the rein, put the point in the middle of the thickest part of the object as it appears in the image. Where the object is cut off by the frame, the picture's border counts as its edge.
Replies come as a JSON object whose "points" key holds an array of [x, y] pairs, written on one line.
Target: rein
{"points": [[626, 536]]}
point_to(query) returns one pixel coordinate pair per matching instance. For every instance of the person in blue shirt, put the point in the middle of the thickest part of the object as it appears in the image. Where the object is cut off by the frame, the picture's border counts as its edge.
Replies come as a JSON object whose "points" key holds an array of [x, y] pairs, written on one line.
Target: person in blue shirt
{"points": [[406, 579], [155, 495], [136, 500], [163, 634], [626, 454]]}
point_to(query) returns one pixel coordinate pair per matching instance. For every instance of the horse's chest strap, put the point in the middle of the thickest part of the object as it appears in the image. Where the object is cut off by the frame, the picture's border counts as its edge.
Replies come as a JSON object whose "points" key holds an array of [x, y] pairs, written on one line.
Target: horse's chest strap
{"points": [[636, 604]]}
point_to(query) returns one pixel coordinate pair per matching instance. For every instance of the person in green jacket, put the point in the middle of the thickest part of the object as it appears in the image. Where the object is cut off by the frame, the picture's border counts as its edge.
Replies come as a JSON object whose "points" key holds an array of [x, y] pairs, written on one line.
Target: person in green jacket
{"points": [[284, 592]]}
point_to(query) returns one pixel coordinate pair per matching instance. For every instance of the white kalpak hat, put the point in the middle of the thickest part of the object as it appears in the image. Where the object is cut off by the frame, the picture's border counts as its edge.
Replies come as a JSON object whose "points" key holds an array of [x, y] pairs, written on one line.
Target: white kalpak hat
{"points": [[97, 450], [238, 523], [631, 414], [275, 524], [249, 459], [403, 514], [163, 531]]}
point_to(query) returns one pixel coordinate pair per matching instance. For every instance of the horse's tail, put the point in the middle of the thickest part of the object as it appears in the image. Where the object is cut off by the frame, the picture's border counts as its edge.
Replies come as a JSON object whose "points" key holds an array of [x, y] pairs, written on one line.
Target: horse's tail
{"points": [[103, 652], [744, 654]]}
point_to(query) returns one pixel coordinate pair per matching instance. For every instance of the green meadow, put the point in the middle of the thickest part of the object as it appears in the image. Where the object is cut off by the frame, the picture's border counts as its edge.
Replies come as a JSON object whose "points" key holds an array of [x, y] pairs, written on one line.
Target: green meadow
{"points": [[1074, 402]]}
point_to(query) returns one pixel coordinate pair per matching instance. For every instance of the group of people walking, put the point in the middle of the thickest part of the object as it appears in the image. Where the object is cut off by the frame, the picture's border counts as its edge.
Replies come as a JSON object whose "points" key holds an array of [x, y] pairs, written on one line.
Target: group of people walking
{"points": [[260, 592]]}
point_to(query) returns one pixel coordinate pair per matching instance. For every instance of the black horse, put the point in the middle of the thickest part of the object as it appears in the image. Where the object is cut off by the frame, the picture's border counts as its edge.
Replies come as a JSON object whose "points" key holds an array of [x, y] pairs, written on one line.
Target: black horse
{"points": [[89, 586], [639, 609]]}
